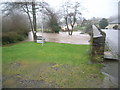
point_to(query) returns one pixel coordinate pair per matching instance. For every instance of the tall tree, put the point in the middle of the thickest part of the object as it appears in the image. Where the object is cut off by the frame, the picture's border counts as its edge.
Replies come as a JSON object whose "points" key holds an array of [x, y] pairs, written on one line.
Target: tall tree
{"points": [[103, 23], [32, 8], [34, 18], [27, 7], [52, 20], [71, 14]]}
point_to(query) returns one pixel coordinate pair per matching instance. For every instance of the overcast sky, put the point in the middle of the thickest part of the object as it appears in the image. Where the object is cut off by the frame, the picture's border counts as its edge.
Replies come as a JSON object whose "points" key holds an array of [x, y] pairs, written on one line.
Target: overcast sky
{"points": [[94, 8]]}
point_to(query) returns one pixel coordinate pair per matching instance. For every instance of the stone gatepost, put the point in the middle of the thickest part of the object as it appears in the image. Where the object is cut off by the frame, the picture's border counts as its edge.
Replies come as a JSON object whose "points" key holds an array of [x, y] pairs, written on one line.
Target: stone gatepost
{"points": [[98, 44]]}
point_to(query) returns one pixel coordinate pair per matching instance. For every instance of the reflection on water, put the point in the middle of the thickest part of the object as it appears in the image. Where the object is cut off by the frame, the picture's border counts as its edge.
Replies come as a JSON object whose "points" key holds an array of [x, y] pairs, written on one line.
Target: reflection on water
{"points": [[63, 37]]}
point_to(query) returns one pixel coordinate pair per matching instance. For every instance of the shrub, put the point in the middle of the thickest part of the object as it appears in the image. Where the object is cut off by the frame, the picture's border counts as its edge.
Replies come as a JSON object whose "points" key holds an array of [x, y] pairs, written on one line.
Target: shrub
{"points": [[56, 29], [12, 37], [88, 28], [15, 28], [103, 23], [115, 27]]}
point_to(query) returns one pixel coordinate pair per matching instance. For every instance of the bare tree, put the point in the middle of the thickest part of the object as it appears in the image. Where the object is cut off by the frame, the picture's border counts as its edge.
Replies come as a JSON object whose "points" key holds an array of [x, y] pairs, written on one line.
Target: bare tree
{"points": [[71, 13], [28, 7], [52, 20], [31, 9], [15, 28], [34, 18]]}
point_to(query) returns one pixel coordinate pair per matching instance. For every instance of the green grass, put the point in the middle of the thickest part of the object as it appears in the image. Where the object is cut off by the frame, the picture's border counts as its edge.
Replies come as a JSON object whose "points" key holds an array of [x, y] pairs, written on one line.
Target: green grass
{"points": [[50, 52], [64, 65]]}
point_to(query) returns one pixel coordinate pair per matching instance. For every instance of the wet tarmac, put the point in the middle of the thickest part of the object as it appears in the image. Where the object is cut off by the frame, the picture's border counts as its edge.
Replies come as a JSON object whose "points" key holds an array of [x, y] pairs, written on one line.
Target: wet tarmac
{"points": [[110, 70]]}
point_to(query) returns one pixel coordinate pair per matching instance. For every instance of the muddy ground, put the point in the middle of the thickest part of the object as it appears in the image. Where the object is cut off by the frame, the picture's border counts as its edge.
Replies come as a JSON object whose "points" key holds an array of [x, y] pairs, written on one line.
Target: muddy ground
{"points": [[52, 75]]}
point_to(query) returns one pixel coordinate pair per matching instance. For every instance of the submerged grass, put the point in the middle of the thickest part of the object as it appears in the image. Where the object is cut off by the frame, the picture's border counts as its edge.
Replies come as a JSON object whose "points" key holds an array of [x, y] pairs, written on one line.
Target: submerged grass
{"points": [[60, 65]]}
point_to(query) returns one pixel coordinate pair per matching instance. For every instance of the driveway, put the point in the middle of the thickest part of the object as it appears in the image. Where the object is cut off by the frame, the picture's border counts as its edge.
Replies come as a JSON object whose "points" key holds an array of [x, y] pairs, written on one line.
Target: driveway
{"points": [[63, 37]]}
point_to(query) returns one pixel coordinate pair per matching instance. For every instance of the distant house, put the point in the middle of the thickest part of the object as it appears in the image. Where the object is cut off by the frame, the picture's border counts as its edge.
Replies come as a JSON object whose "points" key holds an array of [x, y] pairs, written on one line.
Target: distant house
{"points": [[64, 27], [113, 25]]}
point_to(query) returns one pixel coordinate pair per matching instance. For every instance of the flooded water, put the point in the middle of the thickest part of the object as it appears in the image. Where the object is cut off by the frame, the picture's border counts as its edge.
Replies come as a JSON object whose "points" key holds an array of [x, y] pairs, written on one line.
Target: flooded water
{"points": [[63, 37], [110, 70]]}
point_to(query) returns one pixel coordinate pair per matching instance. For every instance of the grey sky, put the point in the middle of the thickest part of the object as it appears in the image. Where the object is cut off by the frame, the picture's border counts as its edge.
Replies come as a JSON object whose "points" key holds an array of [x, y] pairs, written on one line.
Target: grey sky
{"points": [[94, 8]]}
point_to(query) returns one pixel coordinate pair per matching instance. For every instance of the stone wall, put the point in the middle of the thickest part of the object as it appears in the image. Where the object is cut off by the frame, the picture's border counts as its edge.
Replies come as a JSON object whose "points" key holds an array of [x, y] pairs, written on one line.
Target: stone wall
{"points": [[98, 46]]}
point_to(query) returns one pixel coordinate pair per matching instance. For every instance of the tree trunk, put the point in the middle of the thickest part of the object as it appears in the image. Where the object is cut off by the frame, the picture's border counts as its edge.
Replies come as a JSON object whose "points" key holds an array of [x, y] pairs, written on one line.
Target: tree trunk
{"points": [[68, 32], [71, 31], [34, 19], [66, 21], [31, 23], [35, 37]]}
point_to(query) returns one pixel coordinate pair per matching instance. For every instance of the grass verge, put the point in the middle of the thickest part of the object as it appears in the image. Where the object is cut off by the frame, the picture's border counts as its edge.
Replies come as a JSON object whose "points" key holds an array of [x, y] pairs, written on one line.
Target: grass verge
{"points": [[55, 65]]}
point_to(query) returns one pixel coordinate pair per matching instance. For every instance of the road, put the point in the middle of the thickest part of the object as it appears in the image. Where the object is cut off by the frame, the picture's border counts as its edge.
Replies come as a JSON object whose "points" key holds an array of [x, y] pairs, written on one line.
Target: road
{"points": [[112, 41]]}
